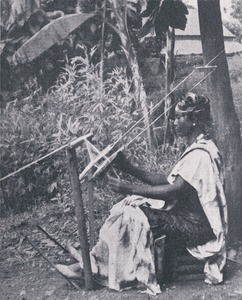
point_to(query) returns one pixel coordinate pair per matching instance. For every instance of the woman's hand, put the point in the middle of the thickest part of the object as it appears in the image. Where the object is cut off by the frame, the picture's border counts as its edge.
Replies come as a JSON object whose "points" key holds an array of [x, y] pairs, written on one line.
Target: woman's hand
{"points": [[120, 186], [120, 162]]}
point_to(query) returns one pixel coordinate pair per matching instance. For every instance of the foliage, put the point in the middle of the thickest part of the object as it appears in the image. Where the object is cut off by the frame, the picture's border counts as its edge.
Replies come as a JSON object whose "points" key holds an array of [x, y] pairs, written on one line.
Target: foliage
{"points": [[67, 7], [48, 36], [20, 21], [34, 126], [237, 10], [235, 70], [18, 11], [235, 28], [162, 14], [37, 15]]}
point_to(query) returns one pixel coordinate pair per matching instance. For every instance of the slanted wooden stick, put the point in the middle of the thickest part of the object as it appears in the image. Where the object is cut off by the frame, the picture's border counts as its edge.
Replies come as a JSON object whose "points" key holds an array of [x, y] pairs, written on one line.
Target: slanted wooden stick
{"points": [[50, 262], [52, 239]]}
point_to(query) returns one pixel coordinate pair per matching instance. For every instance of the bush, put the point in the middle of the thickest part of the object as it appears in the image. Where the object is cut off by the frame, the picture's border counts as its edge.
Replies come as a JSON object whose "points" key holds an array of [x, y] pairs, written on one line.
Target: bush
{"points": [[40, 123]]}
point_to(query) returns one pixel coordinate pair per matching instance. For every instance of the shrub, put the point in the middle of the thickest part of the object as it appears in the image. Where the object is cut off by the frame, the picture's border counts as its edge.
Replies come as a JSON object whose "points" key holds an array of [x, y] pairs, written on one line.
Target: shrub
{"points": [[40, 123]]}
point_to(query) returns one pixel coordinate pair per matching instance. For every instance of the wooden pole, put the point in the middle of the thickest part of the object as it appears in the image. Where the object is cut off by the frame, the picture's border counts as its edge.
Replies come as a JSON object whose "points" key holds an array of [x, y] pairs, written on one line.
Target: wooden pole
{"points": [[50, 262], [52, 239], [91, 210], [80, 216]]}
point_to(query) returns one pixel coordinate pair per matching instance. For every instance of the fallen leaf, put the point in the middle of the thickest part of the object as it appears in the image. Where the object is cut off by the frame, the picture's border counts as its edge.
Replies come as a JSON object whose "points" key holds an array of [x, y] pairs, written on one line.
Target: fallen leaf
{"points": [[23, 292], [49, 293]]}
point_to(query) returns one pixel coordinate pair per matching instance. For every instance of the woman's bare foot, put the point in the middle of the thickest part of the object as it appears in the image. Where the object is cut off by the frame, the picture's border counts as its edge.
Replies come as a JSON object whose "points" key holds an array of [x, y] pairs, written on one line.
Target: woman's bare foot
{"points": [[75, 254], [73, 271]]}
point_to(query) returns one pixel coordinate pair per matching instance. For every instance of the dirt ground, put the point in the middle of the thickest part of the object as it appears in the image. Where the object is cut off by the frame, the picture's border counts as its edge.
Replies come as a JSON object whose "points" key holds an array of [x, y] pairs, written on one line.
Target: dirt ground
{"points": [[25, 275], [34, 281]]}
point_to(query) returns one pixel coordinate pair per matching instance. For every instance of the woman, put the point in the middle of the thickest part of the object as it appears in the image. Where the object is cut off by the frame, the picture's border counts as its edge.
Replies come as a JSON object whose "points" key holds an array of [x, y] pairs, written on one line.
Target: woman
{"points": [[188, 206]]}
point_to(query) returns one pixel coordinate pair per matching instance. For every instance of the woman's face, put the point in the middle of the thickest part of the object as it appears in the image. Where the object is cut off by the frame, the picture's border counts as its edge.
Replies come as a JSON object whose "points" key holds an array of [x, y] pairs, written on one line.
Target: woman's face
{"points": [[183, 125]]}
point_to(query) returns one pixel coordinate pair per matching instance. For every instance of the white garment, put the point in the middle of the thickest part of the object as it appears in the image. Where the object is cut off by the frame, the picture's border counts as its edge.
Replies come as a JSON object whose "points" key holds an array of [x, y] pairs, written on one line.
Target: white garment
{"points": [[201, 166], [125, 251]]}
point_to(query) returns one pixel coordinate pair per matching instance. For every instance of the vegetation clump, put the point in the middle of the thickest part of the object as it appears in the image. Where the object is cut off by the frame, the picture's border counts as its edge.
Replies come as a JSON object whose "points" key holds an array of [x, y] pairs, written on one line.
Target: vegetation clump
{"points": [[42, 122]]}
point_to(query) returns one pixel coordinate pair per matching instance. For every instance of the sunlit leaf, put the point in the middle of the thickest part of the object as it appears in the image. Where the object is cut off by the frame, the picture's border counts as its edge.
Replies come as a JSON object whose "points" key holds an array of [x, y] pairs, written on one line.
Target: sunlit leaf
{"points": [[48, 36]]}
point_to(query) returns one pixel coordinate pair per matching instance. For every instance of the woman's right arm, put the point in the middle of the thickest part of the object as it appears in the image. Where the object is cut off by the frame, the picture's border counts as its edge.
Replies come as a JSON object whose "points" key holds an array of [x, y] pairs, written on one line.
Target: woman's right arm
{"points": [[150, 178]]}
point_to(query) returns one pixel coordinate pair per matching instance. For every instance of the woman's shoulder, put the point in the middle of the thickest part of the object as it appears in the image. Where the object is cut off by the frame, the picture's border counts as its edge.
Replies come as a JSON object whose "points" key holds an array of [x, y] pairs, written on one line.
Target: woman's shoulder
{"points": [[198, 149], [203, 145], [208, 145]]}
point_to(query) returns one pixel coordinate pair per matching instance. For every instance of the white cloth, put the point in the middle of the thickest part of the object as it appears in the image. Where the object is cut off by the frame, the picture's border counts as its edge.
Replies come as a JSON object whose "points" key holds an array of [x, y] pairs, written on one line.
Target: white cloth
{"points": [[201, 166], [124, 252]]}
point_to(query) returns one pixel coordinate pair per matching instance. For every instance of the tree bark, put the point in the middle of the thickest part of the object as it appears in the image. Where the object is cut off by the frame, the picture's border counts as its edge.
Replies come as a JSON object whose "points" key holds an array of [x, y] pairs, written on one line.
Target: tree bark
{"points": [[170, 46], [223, 111], [131, 56], [170, 64]]}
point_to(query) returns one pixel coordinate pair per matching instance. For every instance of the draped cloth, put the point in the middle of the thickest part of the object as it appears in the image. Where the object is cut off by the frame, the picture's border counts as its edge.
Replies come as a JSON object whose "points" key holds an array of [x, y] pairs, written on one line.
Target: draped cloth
{"points": [[124, 254], [201, 166]]}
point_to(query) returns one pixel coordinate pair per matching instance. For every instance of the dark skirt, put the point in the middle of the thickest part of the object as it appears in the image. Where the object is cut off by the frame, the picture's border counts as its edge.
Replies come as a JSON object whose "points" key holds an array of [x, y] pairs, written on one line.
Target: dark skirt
{"points": [[183, 226]]}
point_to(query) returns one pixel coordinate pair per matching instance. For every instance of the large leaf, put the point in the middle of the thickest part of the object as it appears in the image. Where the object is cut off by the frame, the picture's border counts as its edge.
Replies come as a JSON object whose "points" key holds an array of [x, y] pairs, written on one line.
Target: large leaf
{"points": [[162, 14], [48, 36], [18, 11]]}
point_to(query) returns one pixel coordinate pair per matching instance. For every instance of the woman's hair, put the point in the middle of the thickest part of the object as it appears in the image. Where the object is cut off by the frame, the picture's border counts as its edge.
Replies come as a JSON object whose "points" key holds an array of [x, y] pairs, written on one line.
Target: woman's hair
{"points": [[197, 108]]}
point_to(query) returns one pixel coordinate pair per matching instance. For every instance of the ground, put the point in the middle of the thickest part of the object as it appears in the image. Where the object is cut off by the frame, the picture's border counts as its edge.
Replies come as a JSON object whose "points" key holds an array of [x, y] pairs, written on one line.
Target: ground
{"points": [[25, 275]]}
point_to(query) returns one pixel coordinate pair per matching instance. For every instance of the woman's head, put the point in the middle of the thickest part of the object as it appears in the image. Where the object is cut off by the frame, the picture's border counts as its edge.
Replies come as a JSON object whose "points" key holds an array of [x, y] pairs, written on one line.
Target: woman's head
{"points": [[193, 113]]}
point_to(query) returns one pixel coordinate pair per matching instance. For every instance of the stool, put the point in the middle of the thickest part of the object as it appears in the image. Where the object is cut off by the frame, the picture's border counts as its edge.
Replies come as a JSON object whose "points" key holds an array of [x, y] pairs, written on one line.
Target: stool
{"points": [[175, 264]]}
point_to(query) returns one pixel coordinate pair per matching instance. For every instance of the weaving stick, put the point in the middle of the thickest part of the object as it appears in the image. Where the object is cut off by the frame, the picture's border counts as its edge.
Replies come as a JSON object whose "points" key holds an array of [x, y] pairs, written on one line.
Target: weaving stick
{"points": [[50, 262], [106, 163], [94, 161], [52, 239]]}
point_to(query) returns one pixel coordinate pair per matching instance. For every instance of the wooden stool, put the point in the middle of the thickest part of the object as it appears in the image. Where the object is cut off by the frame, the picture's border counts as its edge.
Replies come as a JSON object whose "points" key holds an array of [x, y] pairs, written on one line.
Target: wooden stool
{"points": [[175, 264]]}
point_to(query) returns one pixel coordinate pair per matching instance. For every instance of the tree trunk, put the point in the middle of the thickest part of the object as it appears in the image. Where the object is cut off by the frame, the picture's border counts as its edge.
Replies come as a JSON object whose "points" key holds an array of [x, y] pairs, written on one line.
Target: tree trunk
{"points": [[225, 119], [141, 95], [129, 51], [170, 46]]}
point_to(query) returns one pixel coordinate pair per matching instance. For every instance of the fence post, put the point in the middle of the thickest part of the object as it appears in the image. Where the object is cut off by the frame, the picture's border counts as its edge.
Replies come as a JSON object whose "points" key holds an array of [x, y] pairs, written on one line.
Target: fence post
{"points": [[80, 216]]}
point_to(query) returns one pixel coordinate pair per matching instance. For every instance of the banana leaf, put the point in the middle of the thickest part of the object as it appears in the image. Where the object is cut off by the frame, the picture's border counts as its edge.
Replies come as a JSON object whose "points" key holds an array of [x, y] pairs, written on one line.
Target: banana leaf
{"points": [[48, 36], [18, 11]]}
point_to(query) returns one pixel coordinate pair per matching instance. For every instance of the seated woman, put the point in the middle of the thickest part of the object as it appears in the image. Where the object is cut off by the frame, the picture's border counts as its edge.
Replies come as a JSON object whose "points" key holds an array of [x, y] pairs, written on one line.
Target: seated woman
{"points": [[194, 211]]}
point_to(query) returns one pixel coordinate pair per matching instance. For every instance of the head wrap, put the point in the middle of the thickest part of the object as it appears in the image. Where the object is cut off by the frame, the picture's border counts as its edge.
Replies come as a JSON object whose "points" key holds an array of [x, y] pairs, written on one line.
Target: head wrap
{"points": [[193, 104]]}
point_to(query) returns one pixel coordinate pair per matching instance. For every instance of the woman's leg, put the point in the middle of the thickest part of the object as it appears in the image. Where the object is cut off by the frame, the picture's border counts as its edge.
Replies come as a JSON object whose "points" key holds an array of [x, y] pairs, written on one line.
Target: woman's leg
{"points": [[179, 226]]}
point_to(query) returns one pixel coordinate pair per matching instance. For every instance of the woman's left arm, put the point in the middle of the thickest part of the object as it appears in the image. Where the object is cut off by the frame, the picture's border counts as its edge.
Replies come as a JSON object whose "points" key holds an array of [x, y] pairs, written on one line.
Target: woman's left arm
{"points": [[164, 192]]}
